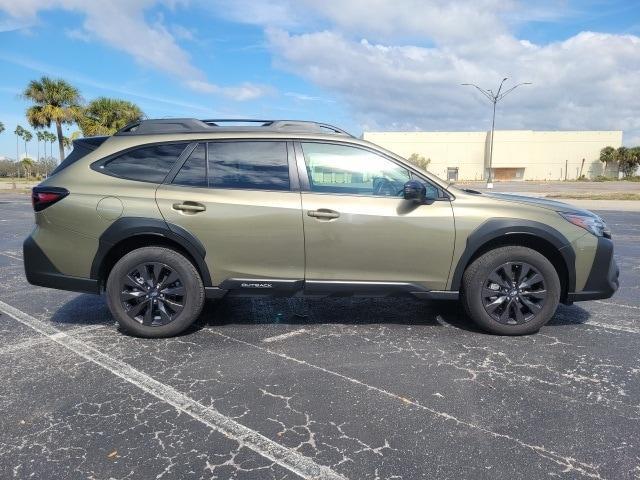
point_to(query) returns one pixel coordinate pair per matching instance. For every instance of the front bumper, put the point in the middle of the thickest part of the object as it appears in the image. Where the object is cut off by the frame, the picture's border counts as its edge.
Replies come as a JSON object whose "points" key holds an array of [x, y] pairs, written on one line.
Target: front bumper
{"points": [[603, 278], [40, 271]]}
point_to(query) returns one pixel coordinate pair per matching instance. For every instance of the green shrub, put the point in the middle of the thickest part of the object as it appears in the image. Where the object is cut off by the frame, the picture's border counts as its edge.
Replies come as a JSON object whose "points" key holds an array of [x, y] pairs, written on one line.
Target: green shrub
{"points": [[419, 161]]}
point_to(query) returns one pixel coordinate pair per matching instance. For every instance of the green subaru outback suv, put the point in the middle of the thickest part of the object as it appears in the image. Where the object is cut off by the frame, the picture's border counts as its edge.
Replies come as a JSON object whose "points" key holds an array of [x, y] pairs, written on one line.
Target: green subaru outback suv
{"points": [[166, 213]]}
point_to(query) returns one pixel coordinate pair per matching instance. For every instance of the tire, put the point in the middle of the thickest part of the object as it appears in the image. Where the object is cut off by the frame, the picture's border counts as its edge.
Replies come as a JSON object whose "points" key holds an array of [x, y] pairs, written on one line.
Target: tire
{"points": [[506, 280], [154, 292]]}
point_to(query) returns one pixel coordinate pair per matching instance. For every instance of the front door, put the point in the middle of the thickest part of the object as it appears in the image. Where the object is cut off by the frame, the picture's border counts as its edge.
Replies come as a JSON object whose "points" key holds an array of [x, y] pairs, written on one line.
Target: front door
{"points": [[237, 198], [358, 228]]}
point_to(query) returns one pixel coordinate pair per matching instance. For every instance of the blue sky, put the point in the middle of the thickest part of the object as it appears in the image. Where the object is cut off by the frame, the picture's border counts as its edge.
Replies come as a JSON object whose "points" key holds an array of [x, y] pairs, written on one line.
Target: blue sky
{"points": [[362, 65]]}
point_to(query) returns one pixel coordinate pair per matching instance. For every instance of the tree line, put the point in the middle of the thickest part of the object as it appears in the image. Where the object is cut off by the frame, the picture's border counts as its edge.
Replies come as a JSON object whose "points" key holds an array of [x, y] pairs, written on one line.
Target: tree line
{"points": [[55, 102], [626, 159]]}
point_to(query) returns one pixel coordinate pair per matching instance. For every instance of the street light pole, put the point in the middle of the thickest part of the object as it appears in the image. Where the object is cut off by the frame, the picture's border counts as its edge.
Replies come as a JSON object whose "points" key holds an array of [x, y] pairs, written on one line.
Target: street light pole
{"points": [[494, 98]]}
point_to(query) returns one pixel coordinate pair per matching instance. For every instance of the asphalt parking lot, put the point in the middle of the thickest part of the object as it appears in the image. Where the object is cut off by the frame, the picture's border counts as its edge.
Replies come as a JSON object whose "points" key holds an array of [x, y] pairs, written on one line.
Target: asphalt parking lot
{"points": [[300, 388]]}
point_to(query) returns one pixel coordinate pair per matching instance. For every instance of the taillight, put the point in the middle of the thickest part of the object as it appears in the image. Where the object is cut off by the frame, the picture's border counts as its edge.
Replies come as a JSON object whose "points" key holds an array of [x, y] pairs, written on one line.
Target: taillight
{"points": [[43, 197]]}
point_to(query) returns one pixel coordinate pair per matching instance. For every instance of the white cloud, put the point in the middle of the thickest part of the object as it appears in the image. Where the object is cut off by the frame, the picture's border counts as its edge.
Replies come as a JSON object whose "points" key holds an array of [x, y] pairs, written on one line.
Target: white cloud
{"points": [[245, 91], [121, 24], [441, 21], [400, 66], [159, 103], [303, 97]]}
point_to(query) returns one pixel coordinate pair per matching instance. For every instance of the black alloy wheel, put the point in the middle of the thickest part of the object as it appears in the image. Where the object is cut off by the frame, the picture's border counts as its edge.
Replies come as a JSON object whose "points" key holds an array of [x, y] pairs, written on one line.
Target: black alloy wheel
{"points": [[152, 294], [514, 293]]}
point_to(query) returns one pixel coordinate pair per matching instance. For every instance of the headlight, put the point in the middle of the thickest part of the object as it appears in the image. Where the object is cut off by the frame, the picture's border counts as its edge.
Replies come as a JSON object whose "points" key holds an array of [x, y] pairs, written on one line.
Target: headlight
{"points": [[591, 223]]}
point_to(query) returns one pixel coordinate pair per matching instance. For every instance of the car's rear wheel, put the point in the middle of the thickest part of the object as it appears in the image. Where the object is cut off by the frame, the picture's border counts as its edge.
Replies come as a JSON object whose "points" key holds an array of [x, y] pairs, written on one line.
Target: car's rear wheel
{"points": [[511, 290], [154, 292]]}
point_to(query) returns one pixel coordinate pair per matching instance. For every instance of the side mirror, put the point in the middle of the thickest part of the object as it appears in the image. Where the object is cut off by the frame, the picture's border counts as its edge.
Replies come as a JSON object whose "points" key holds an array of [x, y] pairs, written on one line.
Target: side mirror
{"points": [[414, 191]]}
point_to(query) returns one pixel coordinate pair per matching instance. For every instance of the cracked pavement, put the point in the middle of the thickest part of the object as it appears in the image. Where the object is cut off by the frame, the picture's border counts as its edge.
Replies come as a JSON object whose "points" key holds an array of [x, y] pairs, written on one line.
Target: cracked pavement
{"points": [[307, 388]]}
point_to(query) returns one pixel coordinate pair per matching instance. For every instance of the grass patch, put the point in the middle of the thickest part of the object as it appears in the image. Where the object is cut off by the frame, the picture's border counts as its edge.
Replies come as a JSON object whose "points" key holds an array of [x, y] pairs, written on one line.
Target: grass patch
{"points": [[13, 179], [597, 196], [10, 191], [19, 180]]}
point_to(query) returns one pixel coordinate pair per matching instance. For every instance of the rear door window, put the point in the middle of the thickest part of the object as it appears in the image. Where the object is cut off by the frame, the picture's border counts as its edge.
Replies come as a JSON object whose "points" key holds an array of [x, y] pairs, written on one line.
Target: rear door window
{"points": [[145, 164], [248, 165], [242, 165]]}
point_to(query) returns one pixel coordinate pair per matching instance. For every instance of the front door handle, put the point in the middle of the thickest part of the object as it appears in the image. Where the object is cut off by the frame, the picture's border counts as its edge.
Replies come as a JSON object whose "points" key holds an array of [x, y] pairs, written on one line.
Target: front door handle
{"points": [[323, 213], [189, 207]]}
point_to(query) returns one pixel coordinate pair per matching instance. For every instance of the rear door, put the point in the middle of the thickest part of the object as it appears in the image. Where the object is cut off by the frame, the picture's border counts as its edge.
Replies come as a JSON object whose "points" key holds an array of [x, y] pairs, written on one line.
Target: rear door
{"points": [[358, 228], [241, 200]]}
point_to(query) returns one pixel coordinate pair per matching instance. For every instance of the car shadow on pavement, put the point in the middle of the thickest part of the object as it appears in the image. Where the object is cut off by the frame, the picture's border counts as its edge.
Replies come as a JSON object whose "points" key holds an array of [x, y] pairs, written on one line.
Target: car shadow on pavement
{"points": [[569, 315], [83, 309], [334, 310], [89, 310], [391, 310]]}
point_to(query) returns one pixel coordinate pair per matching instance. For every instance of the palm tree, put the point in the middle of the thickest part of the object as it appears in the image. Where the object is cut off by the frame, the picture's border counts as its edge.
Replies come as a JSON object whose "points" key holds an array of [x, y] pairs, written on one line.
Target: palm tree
{"points": [[1, 127], [105, 116], [608, 155], [51, 138], [27, 164], [55, 101], [27, 136], [40, 136], [19, 131], [67, 142], [47, 138], [622, 157]]}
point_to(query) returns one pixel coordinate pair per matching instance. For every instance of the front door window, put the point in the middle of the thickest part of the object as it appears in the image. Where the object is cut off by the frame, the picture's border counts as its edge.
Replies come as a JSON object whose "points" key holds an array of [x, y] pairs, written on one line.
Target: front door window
{"points": [[341, 169]]}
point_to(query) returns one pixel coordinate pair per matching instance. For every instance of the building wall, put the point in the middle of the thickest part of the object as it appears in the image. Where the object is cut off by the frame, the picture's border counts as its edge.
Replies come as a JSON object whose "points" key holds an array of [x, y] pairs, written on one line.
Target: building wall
{"points": [[534, 155]]}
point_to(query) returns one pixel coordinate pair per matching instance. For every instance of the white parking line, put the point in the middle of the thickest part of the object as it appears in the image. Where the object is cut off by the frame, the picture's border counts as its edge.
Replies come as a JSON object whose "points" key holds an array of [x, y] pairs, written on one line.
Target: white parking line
{"points": [[284, 335], [569, 463], [32, 342], [611, 326], [613, 304], [443, 322], [285, 457], [11, 256]]}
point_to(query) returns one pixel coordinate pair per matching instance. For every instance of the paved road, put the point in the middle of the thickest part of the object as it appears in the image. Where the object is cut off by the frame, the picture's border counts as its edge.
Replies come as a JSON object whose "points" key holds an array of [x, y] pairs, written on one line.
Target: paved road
{"points": [[339, 388], [557, 187]]}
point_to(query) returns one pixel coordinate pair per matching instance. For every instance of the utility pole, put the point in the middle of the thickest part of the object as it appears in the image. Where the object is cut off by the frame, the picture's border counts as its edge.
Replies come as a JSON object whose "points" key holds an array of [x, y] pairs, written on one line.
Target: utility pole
{"points": [[494, 98]]}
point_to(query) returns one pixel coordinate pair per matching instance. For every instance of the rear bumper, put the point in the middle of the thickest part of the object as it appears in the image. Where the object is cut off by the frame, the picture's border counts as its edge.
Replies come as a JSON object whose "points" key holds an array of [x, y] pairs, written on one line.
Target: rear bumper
{"points": [[603, 278], [41, 272]]}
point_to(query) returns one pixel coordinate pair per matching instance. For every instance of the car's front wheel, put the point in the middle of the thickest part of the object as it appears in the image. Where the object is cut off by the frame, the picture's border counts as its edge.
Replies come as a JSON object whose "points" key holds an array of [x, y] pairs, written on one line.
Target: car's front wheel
{"points": [[511, 290], [154, 292]]}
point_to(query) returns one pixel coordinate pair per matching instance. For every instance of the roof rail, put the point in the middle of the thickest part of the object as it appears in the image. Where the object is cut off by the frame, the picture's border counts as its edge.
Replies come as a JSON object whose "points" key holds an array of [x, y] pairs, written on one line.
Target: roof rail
{"points": [[306, 126], [192, 125], [164, 125], [217, 121]]}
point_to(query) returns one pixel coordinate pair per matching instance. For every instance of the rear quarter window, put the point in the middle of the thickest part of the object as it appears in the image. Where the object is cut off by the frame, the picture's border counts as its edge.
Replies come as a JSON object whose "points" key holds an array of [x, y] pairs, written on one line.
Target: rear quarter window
{"points": [[145, 164], [81, 148]]}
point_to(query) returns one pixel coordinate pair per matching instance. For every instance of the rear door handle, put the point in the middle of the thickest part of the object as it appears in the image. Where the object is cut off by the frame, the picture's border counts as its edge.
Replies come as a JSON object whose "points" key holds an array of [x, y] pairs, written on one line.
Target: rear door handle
{"points": [[190, 207], [323, 213]]}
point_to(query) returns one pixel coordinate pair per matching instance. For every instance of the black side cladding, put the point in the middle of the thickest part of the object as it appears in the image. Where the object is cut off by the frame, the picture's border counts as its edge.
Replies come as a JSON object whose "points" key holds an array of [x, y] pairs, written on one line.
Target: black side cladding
{"points": [[40, 271], [128, 227], [498, 227], [81, 148], [603, 280]]}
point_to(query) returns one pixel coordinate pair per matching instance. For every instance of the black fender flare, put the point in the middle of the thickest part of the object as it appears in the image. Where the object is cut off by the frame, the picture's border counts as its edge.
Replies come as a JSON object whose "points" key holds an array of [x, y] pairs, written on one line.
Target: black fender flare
{"points": [[494, 228], [128, 227]]}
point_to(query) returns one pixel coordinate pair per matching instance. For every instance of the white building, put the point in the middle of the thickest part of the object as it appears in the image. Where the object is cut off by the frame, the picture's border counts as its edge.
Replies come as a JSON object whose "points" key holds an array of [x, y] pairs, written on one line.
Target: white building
{"points": [[517, 154]]}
